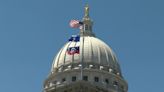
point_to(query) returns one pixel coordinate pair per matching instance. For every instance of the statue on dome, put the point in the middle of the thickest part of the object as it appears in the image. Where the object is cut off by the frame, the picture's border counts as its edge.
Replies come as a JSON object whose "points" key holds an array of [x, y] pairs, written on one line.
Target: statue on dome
{"points": [[87, 11]]}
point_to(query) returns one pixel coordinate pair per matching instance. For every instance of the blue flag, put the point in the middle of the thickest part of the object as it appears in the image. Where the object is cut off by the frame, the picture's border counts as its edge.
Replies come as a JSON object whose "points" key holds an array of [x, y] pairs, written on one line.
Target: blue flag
{"points": [[74, 38]]}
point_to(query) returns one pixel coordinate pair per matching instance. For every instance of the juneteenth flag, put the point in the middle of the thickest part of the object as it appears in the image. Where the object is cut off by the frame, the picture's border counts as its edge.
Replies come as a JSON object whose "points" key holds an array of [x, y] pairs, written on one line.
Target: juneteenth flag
{"points": [[73, 50], [75, 24], [75, 38]]}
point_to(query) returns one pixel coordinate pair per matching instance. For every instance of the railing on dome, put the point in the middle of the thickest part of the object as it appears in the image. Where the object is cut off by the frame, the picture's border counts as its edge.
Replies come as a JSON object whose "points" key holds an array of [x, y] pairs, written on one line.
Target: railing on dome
{"points": [[87, 66]]}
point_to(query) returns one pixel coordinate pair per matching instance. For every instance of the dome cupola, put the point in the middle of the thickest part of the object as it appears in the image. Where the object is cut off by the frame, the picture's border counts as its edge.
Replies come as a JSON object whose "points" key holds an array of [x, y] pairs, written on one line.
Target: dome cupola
{"points": [[87, 24]]}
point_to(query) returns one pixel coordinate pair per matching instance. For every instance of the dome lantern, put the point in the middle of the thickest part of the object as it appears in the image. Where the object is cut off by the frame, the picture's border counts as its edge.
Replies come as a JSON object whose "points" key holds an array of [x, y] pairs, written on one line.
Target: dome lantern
{"points": [[87, 23]]}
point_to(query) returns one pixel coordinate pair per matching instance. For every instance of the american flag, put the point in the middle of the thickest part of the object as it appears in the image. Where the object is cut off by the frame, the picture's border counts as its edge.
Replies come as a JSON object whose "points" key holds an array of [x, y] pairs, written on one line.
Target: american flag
{"points": [[75, 24]]}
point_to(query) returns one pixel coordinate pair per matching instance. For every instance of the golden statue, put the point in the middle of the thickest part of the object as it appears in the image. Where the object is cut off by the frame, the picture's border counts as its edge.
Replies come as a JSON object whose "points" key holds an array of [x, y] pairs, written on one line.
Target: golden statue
{"points": [[87, 11]]}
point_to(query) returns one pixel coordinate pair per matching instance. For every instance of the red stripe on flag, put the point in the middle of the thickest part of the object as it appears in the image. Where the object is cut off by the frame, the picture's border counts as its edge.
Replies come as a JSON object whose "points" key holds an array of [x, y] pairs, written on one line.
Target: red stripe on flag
{"points": [[74, 24]]}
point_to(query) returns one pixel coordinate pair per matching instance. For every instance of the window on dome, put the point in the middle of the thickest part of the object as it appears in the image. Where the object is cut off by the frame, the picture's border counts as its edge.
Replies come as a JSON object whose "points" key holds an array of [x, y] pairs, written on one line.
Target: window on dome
{"points": [[74, 78], [96, 79], [106, 81], [85, 78]]}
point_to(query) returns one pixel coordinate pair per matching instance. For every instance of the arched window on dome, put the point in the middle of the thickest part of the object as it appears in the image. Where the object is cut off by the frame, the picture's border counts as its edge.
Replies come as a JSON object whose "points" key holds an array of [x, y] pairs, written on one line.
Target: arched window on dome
{"points": [[85, 78]]}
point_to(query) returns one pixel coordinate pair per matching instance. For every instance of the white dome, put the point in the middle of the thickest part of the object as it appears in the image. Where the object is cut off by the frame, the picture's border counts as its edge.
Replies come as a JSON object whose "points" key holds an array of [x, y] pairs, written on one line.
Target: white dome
{"points": [[94, 51]]}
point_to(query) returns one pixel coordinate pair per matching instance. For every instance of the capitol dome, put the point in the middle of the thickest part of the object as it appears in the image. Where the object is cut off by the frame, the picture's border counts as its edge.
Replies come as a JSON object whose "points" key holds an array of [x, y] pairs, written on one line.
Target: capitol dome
{"points": [[85, 64], [94, 50]]}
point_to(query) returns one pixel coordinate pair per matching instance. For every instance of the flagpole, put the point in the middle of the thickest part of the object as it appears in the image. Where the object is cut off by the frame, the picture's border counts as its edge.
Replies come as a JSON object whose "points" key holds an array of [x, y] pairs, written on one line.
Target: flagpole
{"points": [[82, 57]]}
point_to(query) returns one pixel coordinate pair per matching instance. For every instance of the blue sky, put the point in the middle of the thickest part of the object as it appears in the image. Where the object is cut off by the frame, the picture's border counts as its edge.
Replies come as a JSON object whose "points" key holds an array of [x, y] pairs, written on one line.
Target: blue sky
{"points": [[33, 31]]}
